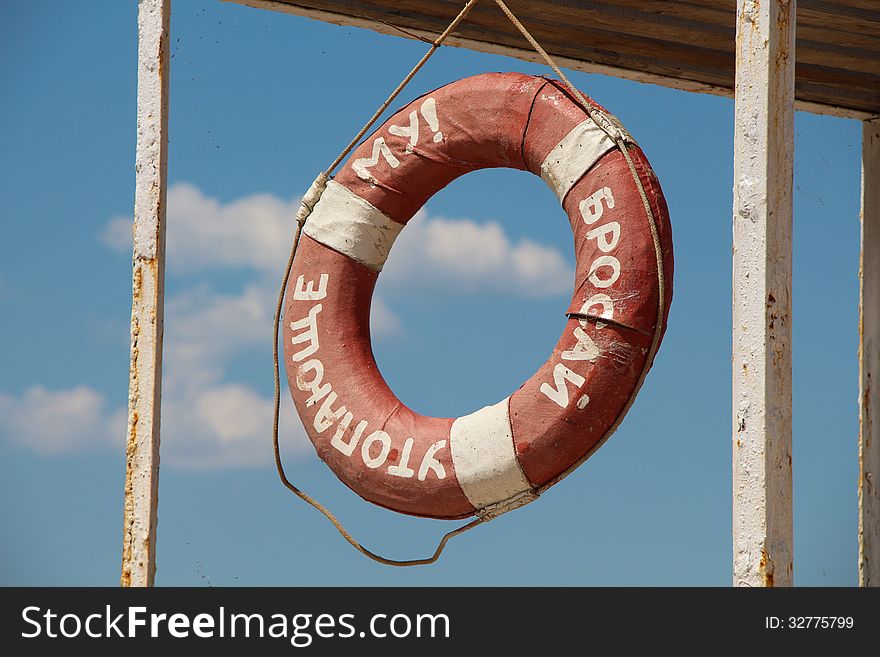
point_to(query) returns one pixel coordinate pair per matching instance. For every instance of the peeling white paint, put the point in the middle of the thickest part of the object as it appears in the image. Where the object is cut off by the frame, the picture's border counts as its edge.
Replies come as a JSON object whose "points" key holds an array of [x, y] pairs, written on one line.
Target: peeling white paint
{"points": [[762, 217]]}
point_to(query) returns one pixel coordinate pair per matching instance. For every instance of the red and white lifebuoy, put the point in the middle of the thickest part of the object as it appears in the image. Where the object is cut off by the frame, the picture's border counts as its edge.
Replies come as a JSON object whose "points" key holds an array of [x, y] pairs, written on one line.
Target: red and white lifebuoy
{"points": [[503, 455]]}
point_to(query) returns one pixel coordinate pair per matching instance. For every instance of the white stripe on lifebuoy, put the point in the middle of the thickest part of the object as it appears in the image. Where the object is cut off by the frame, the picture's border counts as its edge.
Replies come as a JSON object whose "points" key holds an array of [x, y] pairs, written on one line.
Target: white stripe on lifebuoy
{"points": [[572, 157], [484, 456], [348, 224]]}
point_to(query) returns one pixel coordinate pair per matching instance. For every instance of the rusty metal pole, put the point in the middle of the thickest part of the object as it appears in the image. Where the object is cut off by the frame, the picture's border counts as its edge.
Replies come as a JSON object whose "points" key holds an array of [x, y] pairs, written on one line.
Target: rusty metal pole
{"points": [[869, 360], [147, 307], [762, 224]]}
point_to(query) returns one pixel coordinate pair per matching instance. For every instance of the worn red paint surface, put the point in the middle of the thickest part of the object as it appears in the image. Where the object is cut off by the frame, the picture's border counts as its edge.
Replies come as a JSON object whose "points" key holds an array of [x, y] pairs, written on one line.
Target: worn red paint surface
{"points": [[493, 120]]}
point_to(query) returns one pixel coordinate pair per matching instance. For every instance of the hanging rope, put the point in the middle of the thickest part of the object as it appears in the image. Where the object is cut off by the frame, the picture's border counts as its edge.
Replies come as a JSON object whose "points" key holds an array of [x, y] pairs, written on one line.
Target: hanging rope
{"points": [[384, 106], [610, 127], [311, 197], [306, 205]]}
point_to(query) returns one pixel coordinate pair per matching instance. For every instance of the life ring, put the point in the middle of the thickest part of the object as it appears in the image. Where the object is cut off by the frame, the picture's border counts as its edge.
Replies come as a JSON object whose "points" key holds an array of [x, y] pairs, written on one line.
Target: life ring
{"points": [[501, 456]]}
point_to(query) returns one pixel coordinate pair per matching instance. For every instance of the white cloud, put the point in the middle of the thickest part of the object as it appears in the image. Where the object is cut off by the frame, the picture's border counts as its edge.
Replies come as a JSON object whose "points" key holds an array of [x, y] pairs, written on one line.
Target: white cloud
{"points": [[383, 320], [60, 422], [226, 425], [460, 255], [253, 232], [205, 329], [209, 420]]}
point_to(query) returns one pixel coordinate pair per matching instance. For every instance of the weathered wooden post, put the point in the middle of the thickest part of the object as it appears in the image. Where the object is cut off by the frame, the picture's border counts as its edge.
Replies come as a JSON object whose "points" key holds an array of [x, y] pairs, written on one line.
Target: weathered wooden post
{"points": [[762, 224], [869, 360], [148, 277]]}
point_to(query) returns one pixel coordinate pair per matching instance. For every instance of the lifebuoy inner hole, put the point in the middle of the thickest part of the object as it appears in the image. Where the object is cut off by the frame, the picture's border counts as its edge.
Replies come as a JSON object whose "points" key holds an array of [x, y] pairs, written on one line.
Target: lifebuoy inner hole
{"points": [[473, 296]]}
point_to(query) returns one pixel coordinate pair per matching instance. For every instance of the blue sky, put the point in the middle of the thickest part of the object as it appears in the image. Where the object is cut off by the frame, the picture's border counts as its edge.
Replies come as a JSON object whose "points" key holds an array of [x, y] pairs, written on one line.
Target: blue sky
{"points": [[260, 102]]}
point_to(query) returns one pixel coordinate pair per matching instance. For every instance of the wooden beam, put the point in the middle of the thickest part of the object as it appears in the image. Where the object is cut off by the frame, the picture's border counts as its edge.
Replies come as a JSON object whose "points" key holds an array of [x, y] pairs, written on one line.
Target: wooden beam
{"points": [[148, 279], [762, 219], [869, 360], [679, 80]]}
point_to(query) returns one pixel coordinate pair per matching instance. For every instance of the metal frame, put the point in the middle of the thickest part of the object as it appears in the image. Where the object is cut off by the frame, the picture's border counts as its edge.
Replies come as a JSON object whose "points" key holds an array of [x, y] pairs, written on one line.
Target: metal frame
{"points": [[762, 220]]}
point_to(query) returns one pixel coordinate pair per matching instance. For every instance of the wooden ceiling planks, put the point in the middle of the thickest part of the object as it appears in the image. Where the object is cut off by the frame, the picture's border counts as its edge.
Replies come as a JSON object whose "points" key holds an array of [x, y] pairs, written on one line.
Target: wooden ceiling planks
{"points": [[683, 44]]}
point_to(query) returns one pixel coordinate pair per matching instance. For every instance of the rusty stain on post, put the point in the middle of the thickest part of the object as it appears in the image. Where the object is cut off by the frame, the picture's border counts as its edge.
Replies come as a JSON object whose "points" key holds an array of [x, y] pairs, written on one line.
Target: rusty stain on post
{"points": [[762, 219], [148, 273], [869, 359]]}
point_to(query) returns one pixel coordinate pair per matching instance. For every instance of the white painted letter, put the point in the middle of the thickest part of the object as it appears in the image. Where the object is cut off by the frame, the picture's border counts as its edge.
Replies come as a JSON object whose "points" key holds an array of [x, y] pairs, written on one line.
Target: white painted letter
{"points": [[600, 234], [585, 349], [376, 436], [347, 448], [600, 299], [326, 416], [429, 111], [303, 291], [412, 131], [318, 391], [559, 394], [430, 463], [309, 327], [604, 261], [379, 148], [591, 208]]}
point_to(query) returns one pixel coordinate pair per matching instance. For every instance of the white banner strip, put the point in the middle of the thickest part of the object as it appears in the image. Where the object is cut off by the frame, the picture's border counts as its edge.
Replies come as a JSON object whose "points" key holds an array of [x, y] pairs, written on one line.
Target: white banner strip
{"points": [[576, 154], [484, 456], [348, 224]]}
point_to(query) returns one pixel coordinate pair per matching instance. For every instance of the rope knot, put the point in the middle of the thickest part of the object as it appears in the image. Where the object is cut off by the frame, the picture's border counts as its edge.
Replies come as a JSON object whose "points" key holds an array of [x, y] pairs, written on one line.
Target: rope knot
{"points": [[311, 198]]}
